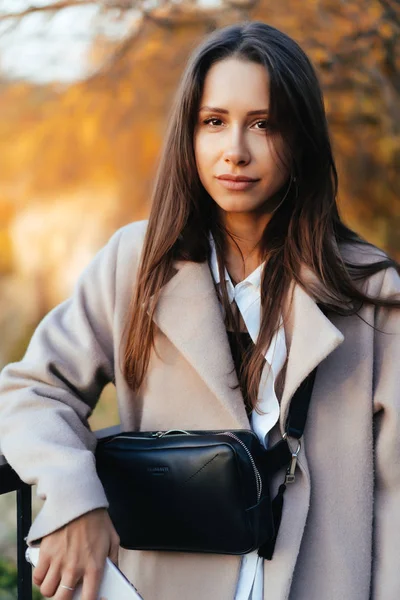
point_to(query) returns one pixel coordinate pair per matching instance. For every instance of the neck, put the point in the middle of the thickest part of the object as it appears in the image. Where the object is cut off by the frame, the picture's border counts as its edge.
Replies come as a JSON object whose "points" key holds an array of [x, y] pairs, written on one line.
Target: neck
{"points": [[243, 251]]}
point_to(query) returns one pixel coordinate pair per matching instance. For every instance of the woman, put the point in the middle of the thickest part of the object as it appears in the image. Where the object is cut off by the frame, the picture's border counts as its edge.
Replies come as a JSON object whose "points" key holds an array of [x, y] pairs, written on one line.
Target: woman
{"points": [[244, 219]]}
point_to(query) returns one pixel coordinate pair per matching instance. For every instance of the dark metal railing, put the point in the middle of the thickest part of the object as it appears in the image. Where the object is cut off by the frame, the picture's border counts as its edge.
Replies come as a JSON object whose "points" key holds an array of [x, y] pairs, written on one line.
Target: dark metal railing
{"points": [[10, 482]]}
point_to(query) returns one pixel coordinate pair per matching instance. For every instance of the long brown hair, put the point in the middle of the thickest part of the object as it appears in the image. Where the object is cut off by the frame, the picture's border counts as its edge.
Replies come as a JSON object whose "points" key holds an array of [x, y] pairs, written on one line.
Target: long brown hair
{"points": [[306, 229]]}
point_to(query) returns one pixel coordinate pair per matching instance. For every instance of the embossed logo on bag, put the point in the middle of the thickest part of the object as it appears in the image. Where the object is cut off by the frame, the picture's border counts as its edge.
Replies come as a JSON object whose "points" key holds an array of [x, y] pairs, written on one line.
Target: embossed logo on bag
{"points": [[157, 470]]}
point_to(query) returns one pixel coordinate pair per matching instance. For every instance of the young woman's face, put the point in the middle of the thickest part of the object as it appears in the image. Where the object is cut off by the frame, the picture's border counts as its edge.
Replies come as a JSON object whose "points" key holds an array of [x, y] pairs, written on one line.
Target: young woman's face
{"points": [[232, 139]]}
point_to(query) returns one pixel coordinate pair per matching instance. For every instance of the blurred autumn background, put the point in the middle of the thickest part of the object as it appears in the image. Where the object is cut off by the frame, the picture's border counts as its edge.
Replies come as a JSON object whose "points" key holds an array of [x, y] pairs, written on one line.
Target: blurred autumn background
{"points": [[85, 91]]}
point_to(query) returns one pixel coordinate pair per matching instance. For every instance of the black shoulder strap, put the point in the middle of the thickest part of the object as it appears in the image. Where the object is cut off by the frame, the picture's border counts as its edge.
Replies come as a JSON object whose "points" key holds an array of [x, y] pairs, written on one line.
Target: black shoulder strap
{"points": [[298, 410], [280, 454]]}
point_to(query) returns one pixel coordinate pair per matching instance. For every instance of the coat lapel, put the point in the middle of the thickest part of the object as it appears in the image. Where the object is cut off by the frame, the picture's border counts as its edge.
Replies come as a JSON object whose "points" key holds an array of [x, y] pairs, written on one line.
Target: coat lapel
{"points": [[189, 314], [311, 337]]}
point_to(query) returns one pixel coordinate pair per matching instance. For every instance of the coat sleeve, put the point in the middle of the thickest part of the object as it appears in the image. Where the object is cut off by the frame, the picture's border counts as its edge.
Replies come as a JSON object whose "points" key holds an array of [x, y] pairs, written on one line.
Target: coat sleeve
{"points": [[47, 397], [386, 572]]}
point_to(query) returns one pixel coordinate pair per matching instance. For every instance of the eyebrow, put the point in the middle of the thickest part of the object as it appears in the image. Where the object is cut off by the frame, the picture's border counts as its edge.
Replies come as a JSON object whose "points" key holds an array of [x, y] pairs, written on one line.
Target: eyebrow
{"points": [[223, 111]]}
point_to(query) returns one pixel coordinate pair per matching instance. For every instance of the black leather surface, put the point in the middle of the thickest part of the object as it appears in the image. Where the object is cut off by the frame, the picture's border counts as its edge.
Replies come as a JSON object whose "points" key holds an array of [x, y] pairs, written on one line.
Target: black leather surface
{"points": [[186, 493]]}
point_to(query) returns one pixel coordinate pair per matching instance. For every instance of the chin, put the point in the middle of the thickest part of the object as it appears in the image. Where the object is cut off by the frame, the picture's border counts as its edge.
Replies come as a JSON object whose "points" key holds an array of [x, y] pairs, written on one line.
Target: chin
{"points": [[238, 204]]}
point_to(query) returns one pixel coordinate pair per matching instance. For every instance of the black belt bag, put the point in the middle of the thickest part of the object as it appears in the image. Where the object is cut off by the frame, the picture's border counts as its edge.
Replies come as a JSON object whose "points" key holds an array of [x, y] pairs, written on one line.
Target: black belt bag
{"points": [[199, 491]]}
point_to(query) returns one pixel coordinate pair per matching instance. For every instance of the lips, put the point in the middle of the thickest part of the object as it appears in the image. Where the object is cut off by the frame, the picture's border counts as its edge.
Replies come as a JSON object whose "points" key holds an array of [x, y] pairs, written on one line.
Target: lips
{"points": [[228, 177], [237, 184]]}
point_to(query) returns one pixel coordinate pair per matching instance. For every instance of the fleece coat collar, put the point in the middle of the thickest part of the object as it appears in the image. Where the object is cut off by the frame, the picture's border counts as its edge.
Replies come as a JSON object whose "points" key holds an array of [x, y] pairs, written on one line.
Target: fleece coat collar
{"points": [[189, 299]]}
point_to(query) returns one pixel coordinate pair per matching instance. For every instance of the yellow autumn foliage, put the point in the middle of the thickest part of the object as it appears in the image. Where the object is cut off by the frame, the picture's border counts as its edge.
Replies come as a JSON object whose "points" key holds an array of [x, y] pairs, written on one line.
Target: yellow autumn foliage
{"points": [[108, 130]]}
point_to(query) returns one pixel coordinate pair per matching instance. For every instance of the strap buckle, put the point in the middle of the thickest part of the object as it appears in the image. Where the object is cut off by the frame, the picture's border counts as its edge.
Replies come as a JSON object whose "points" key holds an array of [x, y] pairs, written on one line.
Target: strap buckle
{"points": [[290, 473]]}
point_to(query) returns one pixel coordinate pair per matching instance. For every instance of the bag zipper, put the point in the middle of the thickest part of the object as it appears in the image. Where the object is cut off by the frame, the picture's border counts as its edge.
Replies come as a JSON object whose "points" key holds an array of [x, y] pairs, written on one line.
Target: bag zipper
{"points": [[256, 471], [160, 434]]}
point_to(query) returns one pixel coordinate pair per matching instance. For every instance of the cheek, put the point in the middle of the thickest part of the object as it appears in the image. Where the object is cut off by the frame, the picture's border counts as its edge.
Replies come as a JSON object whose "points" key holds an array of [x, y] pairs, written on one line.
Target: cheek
{"points": [[203, 156]]}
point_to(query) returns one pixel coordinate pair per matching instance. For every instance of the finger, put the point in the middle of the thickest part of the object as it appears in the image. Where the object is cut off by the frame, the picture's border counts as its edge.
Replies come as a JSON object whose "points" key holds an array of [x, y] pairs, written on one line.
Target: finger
{"points": [[51, 581], [91, 583], [39, 572], [66, 591], [67, 585]]}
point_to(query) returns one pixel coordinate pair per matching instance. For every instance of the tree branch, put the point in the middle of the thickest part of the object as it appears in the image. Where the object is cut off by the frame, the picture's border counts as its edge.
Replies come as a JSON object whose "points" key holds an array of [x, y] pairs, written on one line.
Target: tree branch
{"points": [[161, 19], [60, 4]]}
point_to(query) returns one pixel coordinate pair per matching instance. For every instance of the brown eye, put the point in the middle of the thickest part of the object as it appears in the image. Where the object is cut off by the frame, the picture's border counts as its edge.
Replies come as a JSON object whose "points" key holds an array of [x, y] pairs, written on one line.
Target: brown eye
{"points": [[264, 123], [215, 122]]}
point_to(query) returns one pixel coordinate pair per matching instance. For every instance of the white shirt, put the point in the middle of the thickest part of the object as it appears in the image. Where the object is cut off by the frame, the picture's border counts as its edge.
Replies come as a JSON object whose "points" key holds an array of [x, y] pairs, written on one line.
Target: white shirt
{"points": [[247, 296]]}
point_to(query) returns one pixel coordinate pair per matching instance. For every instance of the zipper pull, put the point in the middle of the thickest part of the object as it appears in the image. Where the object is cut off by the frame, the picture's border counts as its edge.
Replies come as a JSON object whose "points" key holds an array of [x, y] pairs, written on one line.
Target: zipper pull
{"points": [[161, 434]]}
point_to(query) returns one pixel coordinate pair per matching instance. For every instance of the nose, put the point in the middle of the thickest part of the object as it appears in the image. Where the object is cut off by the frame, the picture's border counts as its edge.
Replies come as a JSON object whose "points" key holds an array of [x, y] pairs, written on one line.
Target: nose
{"points": [[236, 151]]}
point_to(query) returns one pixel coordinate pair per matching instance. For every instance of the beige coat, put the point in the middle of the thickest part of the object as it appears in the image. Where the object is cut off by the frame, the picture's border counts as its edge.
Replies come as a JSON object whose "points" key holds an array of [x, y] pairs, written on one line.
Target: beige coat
{"points": [[340, 532]]}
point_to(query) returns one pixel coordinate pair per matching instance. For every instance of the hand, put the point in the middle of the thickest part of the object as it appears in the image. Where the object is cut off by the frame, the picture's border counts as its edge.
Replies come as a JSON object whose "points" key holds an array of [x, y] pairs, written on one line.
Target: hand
{"points": [[76, 552]]}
